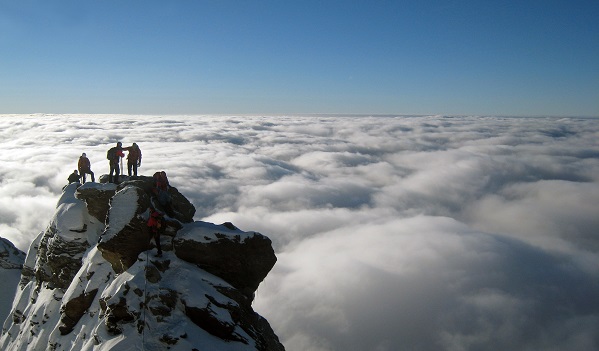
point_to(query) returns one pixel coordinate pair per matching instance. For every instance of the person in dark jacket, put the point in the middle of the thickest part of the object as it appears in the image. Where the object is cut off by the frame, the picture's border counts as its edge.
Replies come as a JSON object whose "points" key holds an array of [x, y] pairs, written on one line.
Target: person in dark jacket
{"points": [[133, 159], [114, 156], [162, 194], [74, 177], [85, 168], [156, 224]]}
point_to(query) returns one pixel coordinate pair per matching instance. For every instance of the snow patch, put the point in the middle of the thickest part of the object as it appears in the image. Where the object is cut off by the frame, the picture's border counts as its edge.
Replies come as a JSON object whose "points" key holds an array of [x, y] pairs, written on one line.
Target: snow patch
{"points": [[205, 232], [122, 210], [31, 257], [71, 215]]}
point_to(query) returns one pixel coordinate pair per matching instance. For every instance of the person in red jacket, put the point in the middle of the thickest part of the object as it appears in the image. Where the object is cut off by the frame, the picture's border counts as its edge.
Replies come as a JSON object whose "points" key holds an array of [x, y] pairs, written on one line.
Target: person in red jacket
{"points": [[156, 224], [85, 168], [133, 159]]}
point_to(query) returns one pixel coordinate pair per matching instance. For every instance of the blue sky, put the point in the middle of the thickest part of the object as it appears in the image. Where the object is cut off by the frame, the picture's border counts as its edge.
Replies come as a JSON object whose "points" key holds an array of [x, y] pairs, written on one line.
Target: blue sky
{"points": [[278, 57]]}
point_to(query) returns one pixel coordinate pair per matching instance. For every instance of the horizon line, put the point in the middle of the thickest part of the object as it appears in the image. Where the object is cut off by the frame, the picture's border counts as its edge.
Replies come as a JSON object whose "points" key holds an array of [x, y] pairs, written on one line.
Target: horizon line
{"points": [[295, 114]]}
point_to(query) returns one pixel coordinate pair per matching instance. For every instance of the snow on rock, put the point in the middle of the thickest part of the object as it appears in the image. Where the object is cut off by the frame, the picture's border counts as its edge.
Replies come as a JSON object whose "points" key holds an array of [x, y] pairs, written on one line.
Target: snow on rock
{"points": [[10, 256], [126, 234], [70, 213], [28, 270], [96, 197], [241, 258], [122, 209], [11, 262], [116, 295]]}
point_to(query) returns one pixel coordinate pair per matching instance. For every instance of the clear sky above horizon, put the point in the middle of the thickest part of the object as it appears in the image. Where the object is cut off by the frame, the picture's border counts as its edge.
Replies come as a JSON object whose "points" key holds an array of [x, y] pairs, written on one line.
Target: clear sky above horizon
{"points": [[278, 57]]}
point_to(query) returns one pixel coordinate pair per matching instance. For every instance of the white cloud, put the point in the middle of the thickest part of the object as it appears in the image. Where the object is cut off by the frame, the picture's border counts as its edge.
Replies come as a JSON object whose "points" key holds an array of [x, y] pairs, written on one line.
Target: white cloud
{"points": [[427, 283], [555, 214], [391, 233]]}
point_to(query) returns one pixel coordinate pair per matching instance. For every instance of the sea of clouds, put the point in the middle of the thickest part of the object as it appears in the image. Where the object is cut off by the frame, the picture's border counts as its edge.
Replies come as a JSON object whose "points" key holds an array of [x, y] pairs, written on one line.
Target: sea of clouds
{"points": [[391, 232]]}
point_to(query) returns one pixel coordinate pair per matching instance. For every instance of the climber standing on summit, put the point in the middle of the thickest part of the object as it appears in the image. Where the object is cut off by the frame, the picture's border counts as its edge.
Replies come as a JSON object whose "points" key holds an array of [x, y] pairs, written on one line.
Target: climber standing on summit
{"points": [[85, 168], [133, 159], [114, 155]]}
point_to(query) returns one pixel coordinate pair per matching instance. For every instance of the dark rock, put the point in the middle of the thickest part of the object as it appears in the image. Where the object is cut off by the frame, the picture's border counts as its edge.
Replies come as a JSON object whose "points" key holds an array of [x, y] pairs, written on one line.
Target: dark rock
{"points": [[243, 264], [10, 256], [152, 274], [206, 319], [73, 310], [183, 209], [17, 317], [162, 265], [256, 326], [97, 200], [116, 313]]}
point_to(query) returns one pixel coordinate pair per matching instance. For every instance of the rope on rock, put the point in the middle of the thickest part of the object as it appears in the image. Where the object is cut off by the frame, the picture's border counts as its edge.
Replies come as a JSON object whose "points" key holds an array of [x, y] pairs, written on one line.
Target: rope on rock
{"points": [[143, 330]]}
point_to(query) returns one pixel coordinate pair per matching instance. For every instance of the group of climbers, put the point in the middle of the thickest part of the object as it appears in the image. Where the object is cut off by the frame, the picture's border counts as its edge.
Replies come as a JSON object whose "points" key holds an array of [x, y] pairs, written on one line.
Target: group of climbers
{"points": [[83, 168], [161, 212], [114, 156]]}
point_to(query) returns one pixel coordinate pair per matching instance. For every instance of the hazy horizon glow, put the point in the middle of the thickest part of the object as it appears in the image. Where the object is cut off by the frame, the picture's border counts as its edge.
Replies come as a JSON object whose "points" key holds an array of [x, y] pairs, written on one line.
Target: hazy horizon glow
{"points": [[392, 233]]}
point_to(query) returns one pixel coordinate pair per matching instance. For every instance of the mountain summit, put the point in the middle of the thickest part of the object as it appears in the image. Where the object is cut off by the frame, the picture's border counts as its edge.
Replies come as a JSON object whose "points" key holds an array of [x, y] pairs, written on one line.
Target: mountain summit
{"points": [[92, 279]]}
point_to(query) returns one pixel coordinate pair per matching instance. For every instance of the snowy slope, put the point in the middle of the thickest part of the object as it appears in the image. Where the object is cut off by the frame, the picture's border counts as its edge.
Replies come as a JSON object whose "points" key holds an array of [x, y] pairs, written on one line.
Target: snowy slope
{"points": [[11, 261]]}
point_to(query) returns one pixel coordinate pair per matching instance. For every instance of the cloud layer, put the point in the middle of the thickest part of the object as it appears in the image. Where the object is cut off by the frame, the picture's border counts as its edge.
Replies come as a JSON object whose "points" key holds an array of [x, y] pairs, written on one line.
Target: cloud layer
{"points": [[393, 233]]}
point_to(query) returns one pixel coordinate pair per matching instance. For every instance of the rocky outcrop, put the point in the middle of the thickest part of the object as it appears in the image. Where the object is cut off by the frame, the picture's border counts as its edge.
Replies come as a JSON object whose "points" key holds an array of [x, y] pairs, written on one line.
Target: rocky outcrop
{"points": [[183, 209], [120, 244], [97, 198], [74, 309], [126, 235], [11, 263], [58, 259], [242, 260], [91, 280], [61, 246], [10, 256]]}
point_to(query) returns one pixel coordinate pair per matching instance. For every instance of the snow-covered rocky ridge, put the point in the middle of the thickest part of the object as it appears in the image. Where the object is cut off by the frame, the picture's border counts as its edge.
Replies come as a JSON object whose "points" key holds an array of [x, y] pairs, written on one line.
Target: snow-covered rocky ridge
{"points": [[91, 280], [10, 256], [11, 262]]}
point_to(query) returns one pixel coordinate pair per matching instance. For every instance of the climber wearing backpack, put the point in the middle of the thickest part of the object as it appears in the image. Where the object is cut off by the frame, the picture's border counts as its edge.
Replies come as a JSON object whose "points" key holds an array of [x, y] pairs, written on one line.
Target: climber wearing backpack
{"points": [[133, 159], [114, 155], [160, 189], [156, 224], [85, 168]]}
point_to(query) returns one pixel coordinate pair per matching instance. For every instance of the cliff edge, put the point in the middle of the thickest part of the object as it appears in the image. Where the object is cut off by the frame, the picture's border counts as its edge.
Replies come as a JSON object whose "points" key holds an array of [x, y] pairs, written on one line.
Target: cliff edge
{"points": [[92, 280]]}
